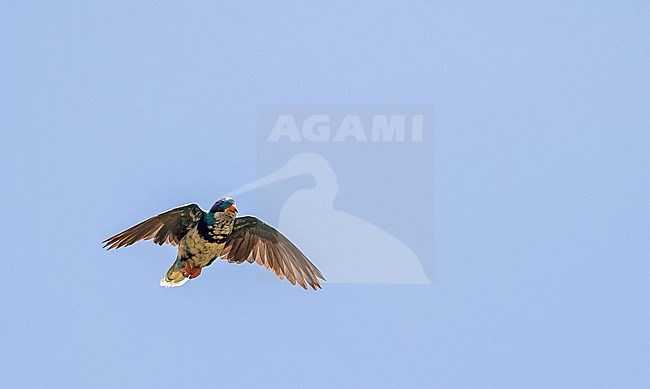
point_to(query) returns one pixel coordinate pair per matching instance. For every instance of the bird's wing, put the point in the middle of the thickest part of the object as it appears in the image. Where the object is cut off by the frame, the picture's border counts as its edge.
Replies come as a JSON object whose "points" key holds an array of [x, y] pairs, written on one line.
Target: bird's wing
{"points": [[168, 227], [252, 240]]}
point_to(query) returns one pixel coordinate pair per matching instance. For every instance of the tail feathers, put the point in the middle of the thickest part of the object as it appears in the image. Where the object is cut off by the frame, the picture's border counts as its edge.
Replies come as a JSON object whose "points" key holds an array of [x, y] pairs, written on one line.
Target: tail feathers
{"points": [[173, 277]]}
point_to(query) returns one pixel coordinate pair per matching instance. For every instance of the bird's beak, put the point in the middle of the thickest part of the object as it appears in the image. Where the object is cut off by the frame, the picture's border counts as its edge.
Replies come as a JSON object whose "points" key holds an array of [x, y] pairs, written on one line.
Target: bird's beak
{"points": [[233, 208]]}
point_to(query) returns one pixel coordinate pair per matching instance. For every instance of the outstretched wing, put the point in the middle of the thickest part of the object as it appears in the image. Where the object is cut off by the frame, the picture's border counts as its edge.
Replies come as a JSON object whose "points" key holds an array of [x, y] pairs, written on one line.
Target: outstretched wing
{"points": [[168, 227], [252, 240]]}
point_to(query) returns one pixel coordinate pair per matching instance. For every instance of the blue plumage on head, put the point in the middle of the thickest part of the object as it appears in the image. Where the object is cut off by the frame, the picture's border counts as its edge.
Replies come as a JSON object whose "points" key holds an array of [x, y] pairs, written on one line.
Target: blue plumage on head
{"points": [[222, 204]]}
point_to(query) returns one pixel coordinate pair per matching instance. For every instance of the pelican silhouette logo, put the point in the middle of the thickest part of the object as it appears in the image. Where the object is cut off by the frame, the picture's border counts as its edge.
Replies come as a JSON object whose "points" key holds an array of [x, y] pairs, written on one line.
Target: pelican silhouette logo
{"points": [[363, 211]]}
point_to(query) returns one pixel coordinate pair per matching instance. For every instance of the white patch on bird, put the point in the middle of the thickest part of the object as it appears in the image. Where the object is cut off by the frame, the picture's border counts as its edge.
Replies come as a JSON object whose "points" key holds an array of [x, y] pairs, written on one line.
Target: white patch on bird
{"points": [[172, 284]]}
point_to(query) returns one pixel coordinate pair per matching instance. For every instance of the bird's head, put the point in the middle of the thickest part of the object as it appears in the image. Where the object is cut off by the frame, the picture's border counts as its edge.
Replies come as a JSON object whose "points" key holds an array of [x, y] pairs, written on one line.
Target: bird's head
{"points": [[224, 204]]}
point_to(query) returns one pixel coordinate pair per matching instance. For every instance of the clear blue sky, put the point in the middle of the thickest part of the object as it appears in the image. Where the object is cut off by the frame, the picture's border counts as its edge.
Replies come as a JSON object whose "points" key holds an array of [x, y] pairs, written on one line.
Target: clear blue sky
{"points": [[111, 112]]}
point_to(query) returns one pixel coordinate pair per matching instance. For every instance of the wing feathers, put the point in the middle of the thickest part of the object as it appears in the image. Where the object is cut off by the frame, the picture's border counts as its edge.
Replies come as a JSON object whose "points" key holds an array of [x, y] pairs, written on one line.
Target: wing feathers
{"points": [[252, 240], [168, 227]]}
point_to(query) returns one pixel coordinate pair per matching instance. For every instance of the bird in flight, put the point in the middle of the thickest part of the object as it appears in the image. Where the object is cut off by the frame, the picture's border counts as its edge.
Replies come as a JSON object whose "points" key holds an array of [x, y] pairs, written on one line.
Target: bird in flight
{"points": [[202, 237]]}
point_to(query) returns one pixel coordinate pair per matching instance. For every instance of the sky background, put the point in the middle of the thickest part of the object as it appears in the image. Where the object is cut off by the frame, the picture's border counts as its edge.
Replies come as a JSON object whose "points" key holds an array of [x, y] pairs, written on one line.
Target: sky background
{"points": [[111, 112]]}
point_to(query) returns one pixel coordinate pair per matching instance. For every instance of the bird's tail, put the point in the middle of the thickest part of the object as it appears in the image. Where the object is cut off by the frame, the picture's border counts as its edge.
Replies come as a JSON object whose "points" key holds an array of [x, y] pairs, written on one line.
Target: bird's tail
{"points": [[174, 277]]}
